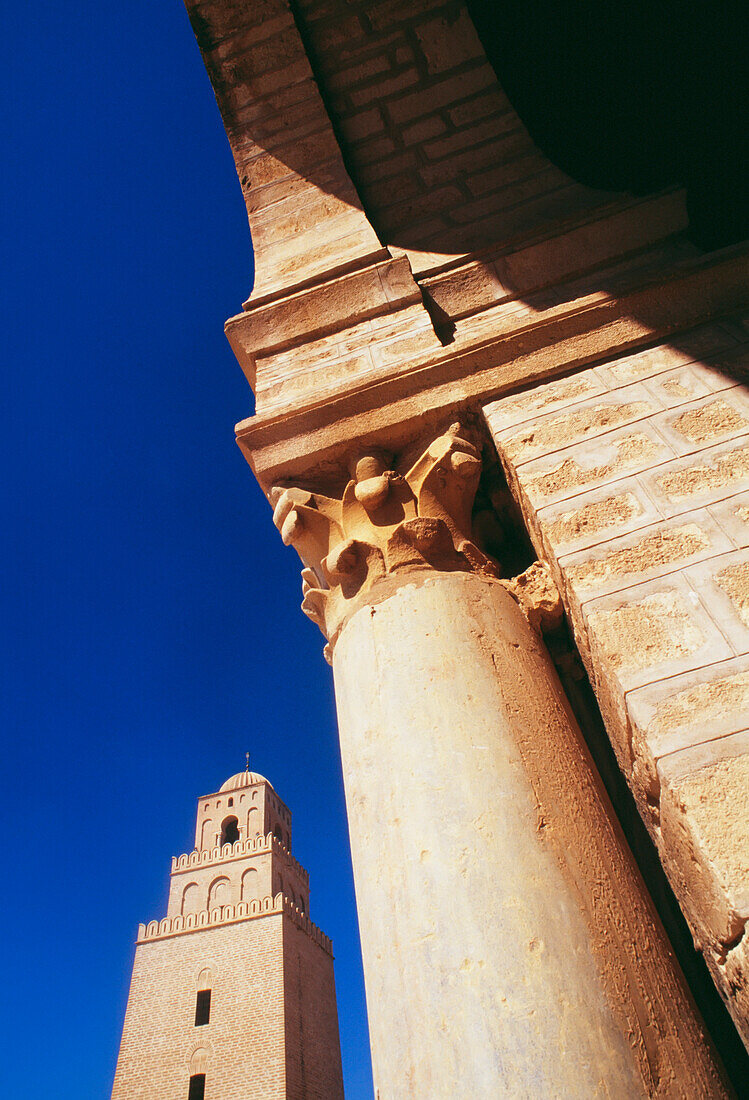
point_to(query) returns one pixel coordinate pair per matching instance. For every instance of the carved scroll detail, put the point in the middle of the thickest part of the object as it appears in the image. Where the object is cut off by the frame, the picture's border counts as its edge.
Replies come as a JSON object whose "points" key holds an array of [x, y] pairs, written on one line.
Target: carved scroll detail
{"points": [[385, 523]]}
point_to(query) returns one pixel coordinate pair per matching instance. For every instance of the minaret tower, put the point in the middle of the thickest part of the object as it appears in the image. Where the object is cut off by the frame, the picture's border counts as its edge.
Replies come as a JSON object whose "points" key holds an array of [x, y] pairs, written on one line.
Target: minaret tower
{"points": [[232, 995]]}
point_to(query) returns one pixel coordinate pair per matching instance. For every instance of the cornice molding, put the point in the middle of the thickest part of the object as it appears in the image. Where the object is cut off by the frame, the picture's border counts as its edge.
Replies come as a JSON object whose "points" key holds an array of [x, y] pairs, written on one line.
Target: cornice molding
{"points": [[296, 445]]}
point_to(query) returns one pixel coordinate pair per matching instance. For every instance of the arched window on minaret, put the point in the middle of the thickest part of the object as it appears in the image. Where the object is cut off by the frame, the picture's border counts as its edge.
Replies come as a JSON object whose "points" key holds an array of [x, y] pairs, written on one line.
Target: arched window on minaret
{"points": [[278, 834], [205, 978], [229, 830], [198, 1067], [250, 885], [190, 899], [220, 893], [254, 826], [206, 834]]}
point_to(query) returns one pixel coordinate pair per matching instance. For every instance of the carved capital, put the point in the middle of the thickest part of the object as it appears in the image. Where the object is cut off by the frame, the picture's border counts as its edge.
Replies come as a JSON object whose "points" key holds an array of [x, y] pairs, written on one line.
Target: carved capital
{"points": [[385, 523]]}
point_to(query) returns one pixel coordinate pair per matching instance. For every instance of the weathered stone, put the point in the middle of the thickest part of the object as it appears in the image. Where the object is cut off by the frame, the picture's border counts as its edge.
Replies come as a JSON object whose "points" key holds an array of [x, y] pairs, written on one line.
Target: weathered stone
{"points": [[733, 516], [649, 552], [721, 583], [538, 597], [660, 653], [529, 279], [700, 705], [710, 422], [734, 580], [557, 430], [455, 732], [541, 399], [589, 518], [705, 825], [716, 473], [581, 467]]}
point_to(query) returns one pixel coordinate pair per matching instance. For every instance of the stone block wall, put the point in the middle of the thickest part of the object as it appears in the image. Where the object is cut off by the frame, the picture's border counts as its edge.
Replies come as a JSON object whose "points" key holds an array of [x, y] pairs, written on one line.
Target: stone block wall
{"points": [[418, 256], [633, 478], [305, 215]]}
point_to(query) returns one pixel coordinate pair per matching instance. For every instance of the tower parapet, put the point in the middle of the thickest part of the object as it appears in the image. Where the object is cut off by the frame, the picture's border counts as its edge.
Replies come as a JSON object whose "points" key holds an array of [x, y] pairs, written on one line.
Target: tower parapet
{"points": [[240, 847]]}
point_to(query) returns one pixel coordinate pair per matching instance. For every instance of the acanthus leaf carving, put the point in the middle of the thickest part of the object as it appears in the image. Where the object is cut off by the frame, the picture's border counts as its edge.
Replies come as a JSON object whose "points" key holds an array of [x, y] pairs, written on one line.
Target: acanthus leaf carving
{"points": [[386, 522]]}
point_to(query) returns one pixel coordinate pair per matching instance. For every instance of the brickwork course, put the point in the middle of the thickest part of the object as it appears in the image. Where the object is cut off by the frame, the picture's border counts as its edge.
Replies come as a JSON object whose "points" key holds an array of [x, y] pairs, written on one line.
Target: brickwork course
{"points": [[418, 259], [236, 925]]}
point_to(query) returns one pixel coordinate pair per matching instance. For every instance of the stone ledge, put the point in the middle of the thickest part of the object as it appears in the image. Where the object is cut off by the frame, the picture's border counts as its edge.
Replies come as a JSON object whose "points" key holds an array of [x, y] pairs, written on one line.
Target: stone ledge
{"points": [[519, 267], [271, 326], [490, 359]]}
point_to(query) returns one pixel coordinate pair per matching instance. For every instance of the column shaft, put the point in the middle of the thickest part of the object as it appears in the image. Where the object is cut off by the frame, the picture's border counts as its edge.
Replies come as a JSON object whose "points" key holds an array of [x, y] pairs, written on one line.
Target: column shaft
{"points": [[510, 947]]}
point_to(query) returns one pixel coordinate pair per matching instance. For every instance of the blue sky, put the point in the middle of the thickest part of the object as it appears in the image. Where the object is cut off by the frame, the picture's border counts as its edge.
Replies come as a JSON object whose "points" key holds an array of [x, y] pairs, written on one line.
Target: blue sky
{"points": [[152, 624]]}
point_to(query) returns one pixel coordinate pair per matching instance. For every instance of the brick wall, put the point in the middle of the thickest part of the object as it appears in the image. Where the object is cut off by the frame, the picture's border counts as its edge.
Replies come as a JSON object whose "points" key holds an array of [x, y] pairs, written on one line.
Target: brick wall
{"points": [[633, 478], [412, 123], [441, 160], [245, 1036], [273, 1030], [313, 1063]]}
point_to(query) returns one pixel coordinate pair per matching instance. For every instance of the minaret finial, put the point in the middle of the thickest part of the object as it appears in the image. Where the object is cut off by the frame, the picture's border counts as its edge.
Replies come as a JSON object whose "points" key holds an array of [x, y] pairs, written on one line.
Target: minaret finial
{"points": [[247, 765]]}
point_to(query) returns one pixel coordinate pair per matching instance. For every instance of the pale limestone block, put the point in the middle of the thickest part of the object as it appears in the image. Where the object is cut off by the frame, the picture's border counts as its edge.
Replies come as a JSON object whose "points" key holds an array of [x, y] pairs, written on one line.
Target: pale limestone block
{"points": [[733, 516], [678, 387], [702, 478], [704, 341], [591, 464], [703, 423], [705, 827], [366, 351], [594, 517], [700, 705], [665, 717], [654, 630], [312, 256], [584, 420], [518, 409], [722, 583], [645, 633], [643, 555]]}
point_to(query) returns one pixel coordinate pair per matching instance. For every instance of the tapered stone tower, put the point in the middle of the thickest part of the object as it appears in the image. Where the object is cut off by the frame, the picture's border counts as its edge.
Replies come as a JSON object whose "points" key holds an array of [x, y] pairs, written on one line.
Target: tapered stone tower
{"points": [[232, 995]]}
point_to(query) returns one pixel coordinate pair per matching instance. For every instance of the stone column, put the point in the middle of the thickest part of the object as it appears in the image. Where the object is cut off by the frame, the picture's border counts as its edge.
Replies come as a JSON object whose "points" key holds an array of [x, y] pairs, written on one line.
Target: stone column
{"points": [[510, 947]]}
